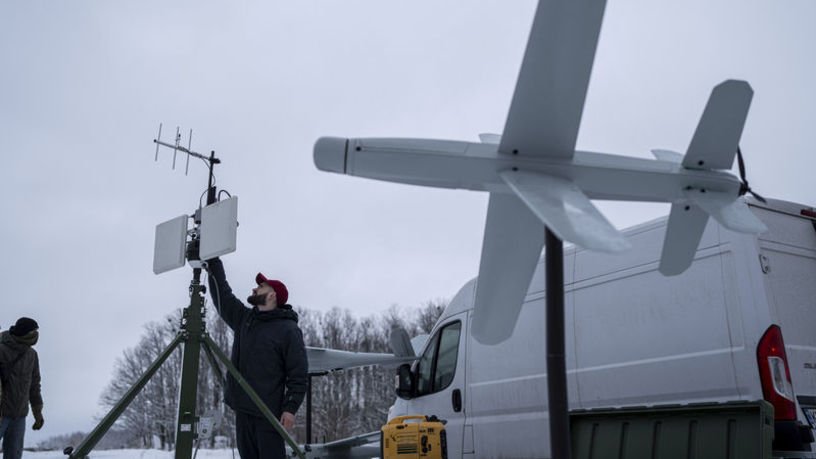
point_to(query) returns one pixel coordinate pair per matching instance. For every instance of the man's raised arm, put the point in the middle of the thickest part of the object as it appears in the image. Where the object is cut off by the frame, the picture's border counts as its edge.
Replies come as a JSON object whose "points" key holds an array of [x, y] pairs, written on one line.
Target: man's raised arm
{"points": [[228, 306]]}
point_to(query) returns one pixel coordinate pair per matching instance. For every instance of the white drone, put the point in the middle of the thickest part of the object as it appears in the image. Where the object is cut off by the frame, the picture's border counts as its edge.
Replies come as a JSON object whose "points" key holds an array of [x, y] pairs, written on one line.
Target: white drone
{"points": [[536, 178]]}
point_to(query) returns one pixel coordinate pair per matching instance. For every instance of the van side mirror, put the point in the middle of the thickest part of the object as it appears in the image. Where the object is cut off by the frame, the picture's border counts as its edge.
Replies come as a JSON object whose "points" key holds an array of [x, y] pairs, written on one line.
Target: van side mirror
{"points": [[405, 381]]}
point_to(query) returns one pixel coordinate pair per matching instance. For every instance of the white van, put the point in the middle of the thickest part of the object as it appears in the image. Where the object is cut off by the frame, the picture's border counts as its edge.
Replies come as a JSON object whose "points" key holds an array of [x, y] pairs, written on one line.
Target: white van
{"points": [[636, 337]]}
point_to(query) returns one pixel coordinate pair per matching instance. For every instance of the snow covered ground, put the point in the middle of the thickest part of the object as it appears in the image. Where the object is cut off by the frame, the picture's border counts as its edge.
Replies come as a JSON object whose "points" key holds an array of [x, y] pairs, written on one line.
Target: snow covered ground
{"points": [[135, 454]]}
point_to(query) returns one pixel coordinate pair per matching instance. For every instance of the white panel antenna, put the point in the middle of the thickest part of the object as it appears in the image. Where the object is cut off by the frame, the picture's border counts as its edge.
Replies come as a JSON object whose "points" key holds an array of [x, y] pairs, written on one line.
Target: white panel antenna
{"points": [[171, 241], [219, 228]]}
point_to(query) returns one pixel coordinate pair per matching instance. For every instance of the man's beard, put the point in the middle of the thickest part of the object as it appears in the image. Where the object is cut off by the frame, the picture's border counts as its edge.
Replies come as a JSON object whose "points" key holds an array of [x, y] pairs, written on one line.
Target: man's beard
{"points": [[257, 300]]}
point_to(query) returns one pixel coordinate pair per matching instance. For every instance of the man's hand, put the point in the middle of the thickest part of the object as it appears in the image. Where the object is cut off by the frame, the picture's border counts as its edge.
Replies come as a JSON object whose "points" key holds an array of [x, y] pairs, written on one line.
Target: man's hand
{"points": [[288, 420], [38, 420]]}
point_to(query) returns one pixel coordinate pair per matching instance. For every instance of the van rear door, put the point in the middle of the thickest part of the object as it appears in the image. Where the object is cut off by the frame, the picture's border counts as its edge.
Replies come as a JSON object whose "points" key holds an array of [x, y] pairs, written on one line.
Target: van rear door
{"points": [[788, 257]]}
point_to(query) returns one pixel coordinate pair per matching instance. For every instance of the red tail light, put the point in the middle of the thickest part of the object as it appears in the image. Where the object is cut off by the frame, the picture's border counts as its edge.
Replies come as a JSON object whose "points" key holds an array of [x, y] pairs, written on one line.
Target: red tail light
{"points": [[775, 374]]}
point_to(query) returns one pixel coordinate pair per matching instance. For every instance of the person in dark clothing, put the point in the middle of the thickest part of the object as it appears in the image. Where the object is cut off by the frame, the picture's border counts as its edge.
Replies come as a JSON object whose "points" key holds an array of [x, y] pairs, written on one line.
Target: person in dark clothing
{"points": [[20, 375], [269, 353]]}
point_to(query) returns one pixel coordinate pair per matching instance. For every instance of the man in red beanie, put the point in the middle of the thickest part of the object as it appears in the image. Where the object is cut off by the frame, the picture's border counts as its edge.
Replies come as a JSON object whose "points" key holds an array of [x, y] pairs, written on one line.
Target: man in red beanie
{"points": [[269, 353], [20, 375]]}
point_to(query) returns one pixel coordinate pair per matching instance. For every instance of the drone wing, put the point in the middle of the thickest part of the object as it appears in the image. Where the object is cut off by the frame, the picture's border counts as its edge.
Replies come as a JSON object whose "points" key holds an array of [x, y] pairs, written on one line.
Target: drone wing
{"points": [[543, 121], [545, 113], [323, 360], [358, 446], [512, 246], [566, 210]]}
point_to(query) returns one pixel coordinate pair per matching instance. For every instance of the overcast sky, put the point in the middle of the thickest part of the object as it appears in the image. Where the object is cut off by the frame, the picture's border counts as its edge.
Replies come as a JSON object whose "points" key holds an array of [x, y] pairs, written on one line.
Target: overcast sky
{"points": [[84, 86]]}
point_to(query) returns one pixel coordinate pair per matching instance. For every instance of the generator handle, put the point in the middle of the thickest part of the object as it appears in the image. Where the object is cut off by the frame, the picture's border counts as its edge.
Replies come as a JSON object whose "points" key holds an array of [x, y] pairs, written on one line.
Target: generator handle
{"points": [[400, 419]]}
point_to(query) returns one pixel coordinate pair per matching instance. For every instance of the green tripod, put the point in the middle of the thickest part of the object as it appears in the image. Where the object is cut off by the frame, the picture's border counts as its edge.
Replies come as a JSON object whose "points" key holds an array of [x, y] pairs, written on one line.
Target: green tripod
{"points": [[194, 335]]}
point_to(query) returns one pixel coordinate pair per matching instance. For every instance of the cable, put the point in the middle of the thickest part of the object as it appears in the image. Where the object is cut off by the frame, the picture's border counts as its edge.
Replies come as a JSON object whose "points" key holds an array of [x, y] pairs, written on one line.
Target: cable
{"points": [[202, 197], [223, 191], [217, 296]]}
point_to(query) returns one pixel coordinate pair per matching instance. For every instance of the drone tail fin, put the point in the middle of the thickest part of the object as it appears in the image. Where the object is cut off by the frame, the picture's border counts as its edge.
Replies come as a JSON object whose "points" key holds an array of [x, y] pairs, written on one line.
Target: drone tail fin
{"points": [[688, 219], [683, 234], [730, 212], [716, 139]]}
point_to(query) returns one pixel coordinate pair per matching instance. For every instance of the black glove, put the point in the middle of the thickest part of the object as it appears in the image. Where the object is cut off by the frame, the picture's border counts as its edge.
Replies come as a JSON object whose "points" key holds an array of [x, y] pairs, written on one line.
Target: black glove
{"points": [[38, 418]]}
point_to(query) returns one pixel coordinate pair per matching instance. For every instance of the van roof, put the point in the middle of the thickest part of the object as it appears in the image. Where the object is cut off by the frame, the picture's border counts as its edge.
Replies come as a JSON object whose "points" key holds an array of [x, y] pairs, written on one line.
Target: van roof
{"points": [[778, 205], [463, 299]]}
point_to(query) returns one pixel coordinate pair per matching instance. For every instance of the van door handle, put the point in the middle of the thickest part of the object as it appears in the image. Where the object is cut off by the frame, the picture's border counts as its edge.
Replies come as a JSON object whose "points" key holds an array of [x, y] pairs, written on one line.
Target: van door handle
{"points": [[456, 400]]}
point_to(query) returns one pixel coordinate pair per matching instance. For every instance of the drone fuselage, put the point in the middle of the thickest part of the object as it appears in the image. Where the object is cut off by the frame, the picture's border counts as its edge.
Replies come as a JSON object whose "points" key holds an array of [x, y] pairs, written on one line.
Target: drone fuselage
{"points": [[476, 166]]}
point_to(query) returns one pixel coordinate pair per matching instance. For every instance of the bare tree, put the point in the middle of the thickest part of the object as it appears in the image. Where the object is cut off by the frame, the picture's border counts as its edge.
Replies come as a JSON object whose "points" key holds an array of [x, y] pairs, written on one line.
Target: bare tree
{"points": [[429, 313], [151, 414], [345, 403]]}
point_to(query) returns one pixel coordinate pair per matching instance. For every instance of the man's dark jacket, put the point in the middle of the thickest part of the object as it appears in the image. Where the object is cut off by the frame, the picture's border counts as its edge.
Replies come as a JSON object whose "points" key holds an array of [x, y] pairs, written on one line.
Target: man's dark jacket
{"points": [[20, 372], [267, 350]]}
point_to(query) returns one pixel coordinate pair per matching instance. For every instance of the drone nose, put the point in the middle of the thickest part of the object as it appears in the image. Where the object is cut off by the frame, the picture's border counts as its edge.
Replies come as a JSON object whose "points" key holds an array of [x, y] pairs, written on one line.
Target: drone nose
{"points": [[330, 154]]}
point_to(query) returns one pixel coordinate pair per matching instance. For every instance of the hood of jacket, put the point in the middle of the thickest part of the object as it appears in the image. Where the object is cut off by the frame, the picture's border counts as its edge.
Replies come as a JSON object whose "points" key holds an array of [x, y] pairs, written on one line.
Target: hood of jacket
{"points": [[284, 312], [19, 343], [7, 339]]}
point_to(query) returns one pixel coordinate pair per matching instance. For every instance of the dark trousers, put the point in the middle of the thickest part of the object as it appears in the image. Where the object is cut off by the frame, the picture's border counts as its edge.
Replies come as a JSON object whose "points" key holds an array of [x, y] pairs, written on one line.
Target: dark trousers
{"points": [[12, 431], [257, 439]]}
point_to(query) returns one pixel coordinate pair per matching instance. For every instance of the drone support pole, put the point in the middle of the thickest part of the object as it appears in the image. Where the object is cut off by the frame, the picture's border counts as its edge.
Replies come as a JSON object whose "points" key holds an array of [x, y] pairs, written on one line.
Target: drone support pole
{"points": [[208, 342], [102, 428], [309, 411], [556, 361]]}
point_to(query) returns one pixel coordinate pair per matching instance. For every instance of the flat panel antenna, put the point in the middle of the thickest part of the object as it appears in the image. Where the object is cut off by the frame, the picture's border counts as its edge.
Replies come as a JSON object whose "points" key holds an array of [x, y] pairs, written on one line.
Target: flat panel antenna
{"points": [[171, 241], [219, 225]]}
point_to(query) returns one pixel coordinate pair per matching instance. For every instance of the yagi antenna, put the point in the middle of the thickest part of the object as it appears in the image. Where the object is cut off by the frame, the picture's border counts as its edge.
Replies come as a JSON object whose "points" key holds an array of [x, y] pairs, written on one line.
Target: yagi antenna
{"points": [[177, 147]]}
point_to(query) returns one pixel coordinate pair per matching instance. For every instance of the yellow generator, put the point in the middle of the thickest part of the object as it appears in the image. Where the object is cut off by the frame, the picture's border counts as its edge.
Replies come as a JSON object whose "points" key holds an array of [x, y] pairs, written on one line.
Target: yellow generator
{"points": [[423, 437]]}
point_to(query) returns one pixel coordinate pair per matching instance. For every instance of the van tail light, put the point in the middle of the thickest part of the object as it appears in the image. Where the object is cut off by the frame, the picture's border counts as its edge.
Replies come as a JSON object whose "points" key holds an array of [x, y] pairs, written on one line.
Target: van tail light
{"points": [[774, 374]]}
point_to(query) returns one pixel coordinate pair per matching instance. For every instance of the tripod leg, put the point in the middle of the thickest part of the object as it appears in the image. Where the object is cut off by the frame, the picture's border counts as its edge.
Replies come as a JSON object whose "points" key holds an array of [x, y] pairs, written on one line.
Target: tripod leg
{"points": [[99, 431], [208, 343], [214, 364]]}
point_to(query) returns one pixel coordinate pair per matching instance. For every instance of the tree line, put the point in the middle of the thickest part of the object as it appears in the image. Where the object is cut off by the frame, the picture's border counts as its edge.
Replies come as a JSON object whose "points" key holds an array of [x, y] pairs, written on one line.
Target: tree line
{"points": [[344, 403]]}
